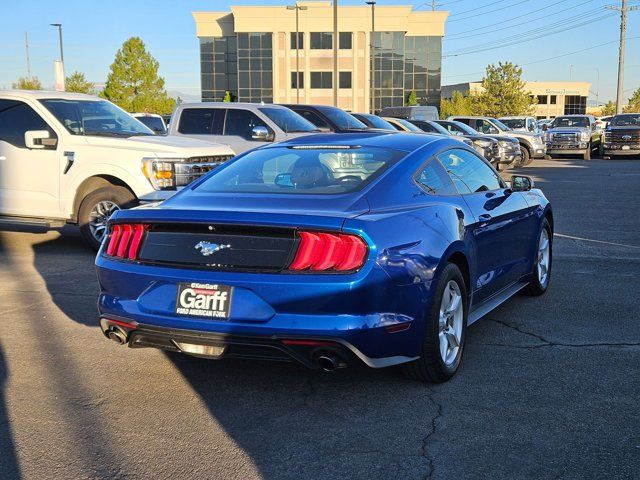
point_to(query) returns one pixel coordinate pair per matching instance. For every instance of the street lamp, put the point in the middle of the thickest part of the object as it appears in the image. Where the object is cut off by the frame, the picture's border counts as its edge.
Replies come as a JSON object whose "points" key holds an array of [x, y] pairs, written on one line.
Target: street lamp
{"points": [[598, 88], [372, 3], [297, 8], [59, 25]]}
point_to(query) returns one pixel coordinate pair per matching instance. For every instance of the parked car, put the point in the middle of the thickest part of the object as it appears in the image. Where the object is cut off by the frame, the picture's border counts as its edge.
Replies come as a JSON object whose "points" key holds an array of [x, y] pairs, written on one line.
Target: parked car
{"points": [[153, 121], [521, 123], [500, 151], [328, 250], [602, 122], [329, 119], [374, 121], [573, 135], [531, 144], [543, 123], [430, 126], [622, 135], [418, 112], [74, 158], [242, 126]]}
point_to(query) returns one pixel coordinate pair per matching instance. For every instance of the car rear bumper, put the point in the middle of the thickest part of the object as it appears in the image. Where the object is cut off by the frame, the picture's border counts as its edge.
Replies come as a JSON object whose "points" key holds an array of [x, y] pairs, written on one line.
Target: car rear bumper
{"points": [[303, 349]]}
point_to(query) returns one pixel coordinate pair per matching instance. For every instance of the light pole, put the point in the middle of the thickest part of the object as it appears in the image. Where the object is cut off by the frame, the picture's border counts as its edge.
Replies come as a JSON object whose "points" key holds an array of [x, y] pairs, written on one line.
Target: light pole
{"points": [[598, 88], [59, 25], [297, 8], [372, 53], [570, 71]]}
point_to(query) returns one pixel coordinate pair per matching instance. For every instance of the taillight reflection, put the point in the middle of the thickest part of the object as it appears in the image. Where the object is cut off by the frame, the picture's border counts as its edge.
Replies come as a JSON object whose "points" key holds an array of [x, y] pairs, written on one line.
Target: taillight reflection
{"points": [[329, 252]]}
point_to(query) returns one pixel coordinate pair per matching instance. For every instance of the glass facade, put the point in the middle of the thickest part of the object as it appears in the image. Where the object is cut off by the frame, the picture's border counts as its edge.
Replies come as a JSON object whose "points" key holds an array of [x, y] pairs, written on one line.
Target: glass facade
{"points": [[575, 104], [255, 67], [218, 67], [404, 64]]}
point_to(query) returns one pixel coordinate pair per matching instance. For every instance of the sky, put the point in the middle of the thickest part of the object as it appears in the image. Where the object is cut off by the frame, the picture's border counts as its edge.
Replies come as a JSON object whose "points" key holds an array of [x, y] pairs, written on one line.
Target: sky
{"points": [[581, 35]]}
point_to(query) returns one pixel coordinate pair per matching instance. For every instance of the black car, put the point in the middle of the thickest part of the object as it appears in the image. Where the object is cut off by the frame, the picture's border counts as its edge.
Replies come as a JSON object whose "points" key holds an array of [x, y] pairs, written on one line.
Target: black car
{"points": [[329, 119], [622, 135], [374, 121], [503, 150]]}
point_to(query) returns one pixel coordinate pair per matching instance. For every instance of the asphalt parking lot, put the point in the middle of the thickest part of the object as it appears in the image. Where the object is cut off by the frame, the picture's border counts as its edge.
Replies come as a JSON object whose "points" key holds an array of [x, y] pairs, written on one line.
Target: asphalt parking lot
{"points": [[549, 387]]}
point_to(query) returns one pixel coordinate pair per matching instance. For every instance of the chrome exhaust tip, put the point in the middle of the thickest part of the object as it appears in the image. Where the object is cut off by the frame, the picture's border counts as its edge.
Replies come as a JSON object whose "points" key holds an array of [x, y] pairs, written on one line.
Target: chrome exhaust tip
{"points": [[327, 362], [117, 335]]}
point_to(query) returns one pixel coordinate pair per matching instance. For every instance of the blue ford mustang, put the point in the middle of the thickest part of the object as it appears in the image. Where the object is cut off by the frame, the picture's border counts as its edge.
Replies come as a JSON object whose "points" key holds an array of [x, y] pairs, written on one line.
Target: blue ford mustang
{"points": [[327, 250]]}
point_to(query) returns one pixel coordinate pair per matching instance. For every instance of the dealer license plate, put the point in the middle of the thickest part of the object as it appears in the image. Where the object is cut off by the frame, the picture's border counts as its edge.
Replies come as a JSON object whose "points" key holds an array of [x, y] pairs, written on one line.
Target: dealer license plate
{"points": [[626, 147], [204, 300]]}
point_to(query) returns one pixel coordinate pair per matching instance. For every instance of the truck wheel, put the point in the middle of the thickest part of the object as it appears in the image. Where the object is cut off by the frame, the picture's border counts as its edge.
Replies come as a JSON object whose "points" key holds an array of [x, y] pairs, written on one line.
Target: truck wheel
{"points": [[97, 207], [526, 156], [587, 155], [446, 322]]}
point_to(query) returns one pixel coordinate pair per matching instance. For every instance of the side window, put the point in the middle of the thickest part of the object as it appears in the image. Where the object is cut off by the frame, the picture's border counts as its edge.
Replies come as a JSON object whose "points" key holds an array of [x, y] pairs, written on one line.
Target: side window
{"points": [[469, 173], [241, 123], [486, 127], [435, 180], [466, 121], [313, 118], [201, 121], [16, 118]]}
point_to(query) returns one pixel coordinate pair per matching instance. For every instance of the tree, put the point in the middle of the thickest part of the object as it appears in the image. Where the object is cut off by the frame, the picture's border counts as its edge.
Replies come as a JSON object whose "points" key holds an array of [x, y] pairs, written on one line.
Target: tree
{"points": [[133, 82], [503, 92], [412, 101], [76, 82], [608, 109], [634, 102], [458, 105], [27, 83]]}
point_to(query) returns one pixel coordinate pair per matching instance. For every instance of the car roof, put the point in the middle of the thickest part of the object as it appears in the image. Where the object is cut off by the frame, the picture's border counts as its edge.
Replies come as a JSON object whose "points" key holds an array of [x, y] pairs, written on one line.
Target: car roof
{"points": [[316, 107], [407, 142], [45, 94], [143, 114], [244, 105], [515, 117]]}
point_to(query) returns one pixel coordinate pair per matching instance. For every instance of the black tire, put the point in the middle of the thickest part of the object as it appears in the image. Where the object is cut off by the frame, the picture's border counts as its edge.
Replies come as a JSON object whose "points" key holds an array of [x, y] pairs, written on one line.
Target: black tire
{"points": [[587, 155], [526, 156], [601, 150], [430, 367], [536, 287], [120, 196]]}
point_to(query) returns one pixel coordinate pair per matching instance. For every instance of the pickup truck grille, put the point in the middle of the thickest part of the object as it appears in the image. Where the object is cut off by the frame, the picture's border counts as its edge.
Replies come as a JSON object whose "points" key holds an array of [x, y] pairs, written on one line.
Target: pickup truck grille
{"points": [[219, 246], [618, 137], [565, 137], [194, 167]]}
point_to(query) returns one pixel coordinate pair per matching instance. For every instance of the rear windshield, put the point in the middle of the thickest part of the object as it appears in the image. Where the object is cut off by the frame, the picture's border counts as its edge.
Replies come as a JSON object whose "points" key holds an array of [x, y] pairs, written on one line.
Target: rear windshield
{"points": [[288, 120], [377, 122], [626, 120], [307, 170], [343, 120], [154, 123]]}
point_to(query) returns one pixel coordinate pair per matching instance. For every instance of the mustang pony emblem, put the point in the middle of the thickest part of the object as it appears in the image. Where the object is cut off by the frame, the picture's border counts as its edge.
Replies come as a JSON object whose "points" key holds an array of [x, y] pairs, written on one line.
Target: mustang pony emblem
{"points": [[207, 248]]}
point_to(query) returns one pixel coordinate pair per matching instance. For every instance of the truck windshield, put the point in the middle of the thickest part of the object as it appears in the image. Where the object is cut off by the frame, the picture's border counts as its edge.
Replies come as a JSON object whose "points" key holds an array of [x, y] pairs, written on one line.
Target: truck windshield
{"points": [[94, 117], [626, 120], [514, 122], [288, 120], [304, 169], [499, 124], [570, 122]]}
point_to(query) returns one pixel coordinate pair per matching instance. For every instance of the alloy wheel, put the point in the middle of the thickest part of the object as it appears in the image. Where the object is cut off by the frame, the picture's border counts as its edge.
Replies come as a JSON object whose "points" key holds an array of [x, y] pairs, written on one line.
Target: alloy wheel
{"points": [[450, 325], [543, 257], [98, 217]]}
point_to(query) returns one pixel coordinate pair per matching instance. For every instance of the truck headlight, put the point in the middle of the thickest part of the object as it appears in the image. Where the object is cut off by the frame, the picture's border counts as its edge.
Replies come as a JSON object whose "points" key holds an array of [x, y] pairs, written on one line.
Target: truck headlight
{"points": [[161, 172], [483, 143], [584, 136], [548, 137]]}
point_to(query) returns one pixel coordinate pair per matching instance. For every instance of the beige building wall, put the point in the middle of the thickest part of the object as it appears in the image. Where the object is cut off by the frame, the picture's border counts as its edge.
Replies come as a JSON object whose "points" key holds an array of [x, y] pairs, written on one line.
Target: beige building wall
{"points": [[318, 17], [559, 90]]}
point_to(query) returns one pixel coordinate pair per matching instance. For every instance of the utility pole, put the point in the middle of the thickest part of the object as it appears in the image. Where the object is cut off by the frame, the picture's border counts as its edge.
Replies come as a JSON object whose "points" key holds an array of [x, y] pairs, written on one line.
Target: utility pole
{"points": [[59, 25], [335, 53], [297, 8], [433, 5], [372, 54], [26, 44], [570, 72], [623, 9], [598, 88]]}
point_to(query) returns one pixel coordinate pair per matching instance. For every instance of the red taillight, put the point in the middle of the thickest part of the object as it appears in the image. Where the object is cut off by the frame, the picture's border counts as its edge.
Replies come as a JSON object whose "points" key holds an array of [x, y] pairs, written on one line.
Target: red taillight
{"points": [[329, 252], [125, 240]]}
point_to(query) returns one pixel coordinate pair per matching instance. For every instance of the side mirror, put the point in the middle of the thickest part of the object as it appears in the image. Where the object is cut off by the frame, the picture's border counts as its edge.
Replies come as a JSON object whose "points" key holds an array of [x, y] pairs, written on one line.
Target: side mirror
{"points": [[39, 139], [261, 134], [545, 126], [283, 180], [521, 183]]}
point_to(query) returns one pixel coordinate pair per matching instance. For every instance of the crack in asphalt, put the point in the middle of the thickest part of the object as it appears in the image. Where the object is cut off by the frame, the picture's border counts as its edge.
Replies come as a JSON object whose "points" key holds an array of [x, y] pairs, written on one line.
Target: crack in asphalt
{"points": [[425, 441], [549, 343]]}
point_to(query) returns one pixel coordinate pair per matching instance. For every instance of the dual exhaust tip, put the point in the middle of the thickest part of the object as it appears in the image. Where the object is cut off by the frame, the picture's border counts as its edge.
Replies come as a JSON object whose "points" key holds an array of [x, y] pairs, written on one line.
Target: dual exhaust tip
{"points": [[329, 362], [117, 335]]}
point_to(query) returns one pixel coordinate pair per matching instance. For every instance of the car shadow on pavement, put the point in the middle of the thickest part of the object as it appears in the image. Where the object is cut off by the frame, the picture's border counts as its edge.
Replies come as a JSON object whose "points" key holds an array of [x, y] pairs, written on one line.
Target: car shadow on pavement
{"points": [[9, 465]]}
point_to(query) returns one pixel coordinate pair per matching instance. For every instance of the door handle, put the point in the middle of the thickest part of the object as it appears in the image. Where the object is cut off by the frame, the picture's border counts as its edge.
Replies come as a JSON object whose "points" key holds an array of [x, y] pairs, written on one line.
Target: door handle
{"points": [[484, 217]]}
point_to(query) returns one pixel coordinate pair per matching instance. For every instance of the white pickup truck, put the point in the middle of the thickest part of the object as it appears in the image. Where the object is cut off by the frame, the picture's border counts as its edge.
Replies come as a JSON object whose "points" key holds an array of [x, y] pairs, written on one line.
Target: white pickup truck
{"points": [[74, 158]]}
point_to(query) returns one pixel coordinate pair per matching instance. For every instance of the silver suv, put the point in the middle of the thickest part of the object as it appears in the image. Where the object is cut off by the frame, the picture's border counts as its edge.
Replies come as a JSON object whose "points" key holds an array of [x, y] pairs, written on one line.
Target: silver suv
{"points": [[531, 144], [242, 126]]}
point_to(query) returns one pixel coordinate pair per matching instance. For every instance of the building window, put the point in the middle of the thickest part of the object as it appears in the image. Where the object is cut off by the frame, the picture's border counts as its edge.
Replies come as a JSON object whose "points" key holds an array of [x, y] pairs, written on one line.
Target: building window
{"points": [[255, 67], [553, 99], [344, 40], [321, 41], [300, 82], [344, 79], [321, 80], [575, 105], [300, 44], [219, 67], [542, 99]]}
